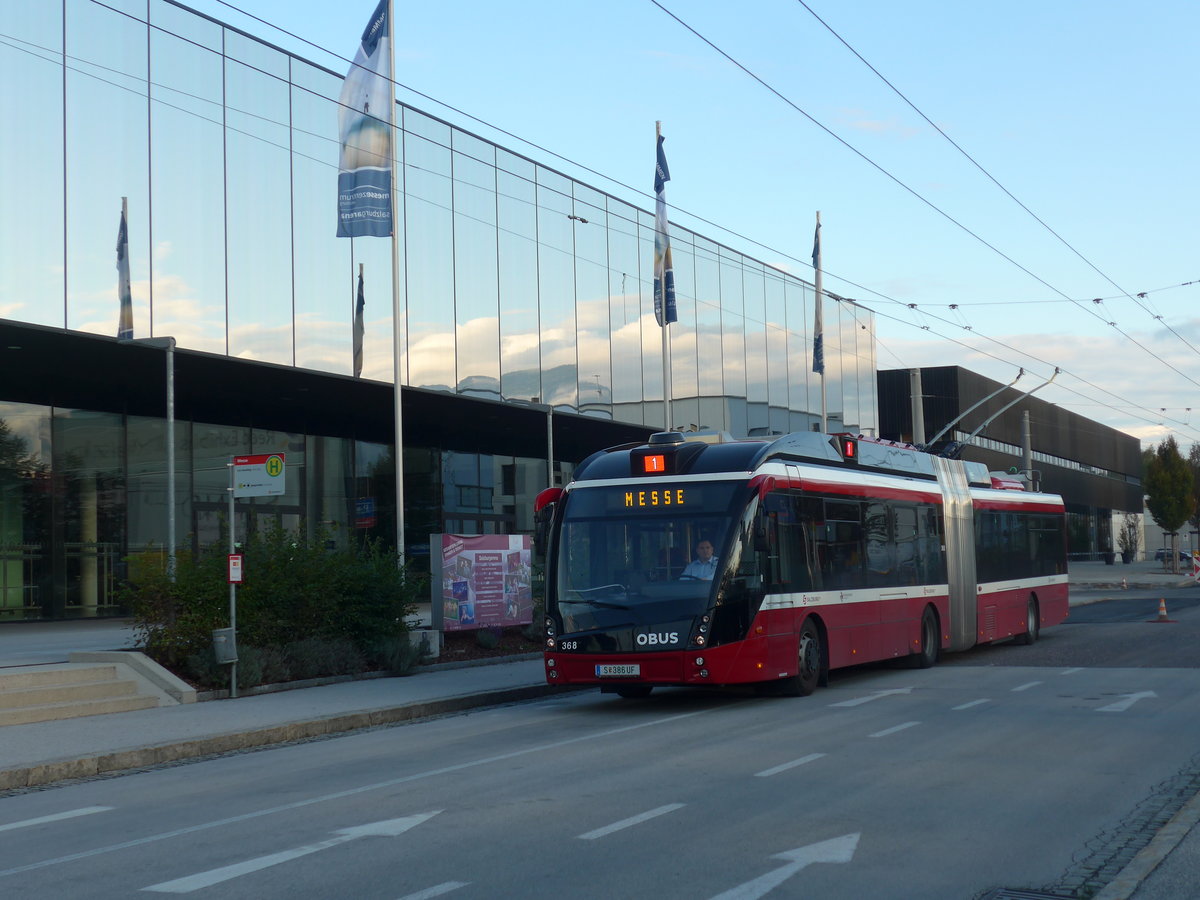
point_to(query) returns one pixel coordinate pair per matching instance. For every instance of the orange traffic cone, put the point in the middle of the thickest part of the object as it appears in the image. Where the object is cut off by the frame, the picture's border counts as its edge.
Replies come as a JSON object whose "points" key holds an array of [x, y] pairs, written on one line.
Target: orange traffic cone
{"points": [[1162, 612]]}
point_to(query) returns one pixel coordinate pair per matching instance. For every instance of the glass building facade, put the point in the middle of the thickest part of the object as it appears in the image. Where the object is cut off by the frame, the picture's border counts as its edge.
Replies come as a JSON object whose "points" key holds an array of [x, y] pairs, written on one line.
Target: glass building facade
{"points": [[516, 283]]}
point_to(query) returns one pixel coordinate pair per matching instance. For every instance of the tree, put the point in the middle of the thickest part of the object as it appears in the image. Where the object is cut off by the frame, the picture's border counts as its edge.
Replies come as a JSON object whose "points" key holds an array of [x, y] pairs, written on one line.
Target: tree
{"points": [[1169, 485], [1194, 465]]}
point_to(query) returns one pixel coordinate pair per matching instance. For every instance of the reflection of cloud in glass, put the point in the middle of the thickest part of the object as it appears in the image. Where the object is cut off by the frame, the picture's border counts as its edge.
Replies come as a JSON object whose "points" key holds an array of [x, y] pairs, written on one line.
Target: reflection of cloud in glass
{"points": [[368, 144]]}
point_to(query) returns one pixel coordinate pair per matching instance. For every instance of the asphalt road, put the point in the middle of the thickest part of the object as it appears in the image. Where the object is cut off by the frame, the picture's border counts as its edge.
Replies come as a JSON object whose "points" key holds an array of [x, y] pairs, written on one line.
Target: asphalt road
{"points": [[991, 771]]}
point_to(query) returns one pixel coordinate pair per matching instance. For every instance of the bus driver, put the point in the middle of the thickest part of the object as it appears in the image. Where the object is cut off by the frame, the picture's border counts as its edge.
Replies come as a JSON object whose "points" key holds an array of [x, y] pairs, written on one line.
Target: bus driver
{"points": [[704, 566]]}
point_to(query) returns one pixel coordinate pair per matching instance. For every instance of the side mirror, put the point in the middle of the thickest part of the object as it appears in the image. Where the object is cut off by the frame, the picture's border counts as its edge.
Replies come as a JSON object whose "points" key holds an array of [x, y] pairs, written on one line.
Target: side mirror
{"points": [[543, 513]]}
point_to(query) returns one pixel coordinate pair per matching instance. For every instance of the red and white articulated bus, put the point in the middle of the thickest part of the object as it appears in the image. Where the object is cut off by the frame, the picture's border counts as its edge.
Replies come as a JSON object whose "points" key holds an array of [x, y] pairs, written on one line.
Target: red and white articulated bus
{"points": [[828, 551]]}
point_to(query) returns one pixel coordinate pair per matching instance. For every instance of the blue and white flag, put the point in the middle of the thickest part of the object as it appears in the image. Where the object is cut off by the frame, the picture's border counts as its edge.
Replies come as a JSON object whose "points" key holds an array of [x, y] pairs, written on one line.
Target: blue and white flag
{"points": [[365, 119], [358, 329], [819, 317], [125, 322], [664, 273]]}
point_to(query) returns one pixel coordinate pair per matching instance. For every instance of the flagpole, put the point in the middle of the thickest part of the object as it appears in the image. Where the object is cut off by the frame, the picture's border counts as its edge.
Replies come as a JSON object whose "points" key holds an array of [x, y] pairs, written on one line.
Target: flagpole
{"points": [[397, 335], [820, 319]]}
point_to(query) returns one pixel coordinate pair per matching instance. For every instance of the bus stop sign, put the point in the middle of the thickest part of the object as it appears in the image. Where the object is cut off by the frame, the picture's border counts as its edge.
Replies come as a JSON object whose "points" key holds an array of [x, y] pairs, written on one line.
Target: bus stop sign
{"points": [[261, 475]]}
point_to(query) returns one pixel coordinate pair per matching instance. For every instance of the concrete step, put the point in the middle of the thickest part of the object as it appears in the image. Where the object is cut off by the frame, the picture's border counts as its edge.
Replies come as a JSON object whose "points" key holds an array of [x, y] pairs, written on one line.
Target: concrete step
{"points": [[69, 690], [21, 677], [56, 711], [45, 695]]}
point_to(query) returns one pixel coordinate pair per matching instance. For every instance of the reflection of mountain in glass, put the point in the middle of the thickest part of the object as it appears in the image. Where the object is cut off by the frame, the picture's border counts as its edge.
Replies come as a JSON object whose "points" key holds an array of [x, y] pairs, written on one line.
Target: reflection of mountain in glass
{"points": [[368, 143]]}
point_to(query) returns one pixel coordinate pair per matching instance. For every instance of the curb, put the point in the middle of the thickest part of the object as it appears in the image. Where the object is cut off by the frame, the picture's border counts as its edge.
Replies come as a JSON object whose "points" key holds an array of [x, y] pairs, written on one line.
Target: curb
{"points": [[122, 760], [1130, 878]]}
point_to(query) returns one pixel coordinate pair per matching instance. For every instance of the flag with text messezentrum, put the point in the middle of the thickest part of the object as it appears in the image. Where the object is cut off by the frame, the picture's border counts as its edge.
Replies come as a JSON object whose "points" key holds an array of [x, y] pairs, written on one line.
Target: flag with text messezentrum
{"points": [[365, 118], [664, 273]]}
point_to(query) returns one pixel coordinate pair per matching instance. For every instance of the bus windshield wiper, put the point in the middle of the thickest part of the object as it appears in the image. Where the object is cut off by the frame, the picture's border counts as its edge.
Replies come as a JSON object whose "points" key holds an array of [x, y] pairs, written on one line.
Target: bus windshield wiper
{"points": [[619, 589]]}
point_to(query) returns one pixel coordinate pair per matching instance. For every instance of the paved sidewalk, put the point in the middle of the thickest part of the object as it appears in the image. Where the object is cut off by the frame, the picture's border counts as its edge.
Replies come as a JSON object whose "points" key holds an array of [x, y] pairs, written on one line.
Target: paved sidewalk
{"points": [[109, 743]]}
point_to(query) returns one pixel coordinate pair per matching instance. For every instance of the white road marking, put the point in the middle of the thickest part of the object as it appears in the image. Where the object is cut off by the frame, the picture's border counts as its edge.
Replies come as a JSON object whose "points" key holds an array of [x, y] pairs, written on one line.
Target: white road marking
{"points": [[189, 883], [859, 701], [631, 821], [767, 773], [1130, 699], [894, 729], [972, 703], [338, 795], [57, 817], [1026, 687], [436, 891], [837, 850], [1070, 671]]}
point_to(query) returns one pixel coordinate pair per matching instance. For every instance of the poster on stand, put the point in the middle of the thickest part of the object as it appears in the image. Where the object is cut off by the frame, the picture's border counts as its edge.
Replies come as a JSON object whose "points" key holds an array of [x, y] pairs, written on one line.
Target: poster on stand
{"points": [[485, 581]]}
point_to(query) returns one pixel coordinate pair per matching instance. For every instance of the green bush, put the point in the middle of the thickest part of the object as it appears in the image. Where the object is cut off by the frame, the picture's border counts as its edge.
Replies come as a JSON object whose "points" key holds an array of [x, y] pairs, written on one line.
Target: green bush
{"points": [[303, 611]]}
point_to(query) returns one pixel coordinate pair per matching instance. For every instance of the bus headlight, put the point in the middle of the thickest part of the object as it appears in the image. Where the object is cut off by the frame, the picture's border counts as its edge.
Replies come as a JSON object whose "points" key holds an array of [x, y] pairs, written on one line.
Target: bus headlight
{"points": [[550, 643]]}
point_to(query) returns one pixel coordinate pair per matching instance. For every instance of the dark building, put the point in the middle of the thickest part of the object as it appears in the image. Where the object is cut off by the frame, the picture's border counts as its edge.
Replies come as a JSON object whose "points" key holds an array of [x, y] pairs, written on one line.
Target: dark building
{"points": [[1096, 469]]}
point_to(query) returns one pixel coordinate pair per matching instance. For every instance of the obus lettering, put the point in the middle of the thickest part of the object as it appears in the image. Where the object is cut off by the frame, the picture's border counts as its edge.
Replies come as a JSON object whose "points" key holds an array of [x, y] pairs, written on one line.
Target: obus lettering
{"points": [[658, 637]]}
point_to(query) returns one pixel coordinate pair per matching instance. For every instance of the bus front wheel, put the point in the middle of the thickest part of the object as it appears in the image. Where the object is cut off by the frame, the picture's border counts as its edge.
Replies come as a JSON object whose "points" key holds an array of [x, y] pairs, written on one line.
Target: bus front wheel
{"points": [[808, 675]]}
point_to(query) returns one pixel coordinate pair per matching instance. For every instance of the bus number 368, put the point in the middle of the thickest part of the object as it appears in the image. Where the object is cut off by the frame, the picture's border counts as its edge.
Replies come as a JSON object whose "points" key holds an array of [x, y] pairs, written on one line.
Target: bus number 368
{"points": [[568, 645]]}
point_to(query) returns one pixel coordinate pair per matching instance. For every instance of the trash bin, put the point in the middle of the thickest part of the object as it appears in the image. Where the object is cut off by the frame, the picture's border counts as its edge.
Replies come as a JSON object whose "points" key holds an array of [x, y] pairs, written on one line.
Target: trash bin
{"points": [[1109, 557], [224, 646]]}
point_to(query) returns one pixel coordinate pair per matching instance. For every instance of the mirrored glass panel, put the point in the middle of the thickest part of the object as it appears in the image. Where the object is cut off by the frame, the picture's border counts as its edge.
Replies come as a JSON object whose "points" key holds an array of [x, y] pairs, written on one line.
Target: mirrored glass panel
{"points": [[188, 230], [476, 269], [31, 165], [106, 156], [258, 196], [592, 303], [89, 484], [325, 276], [556, 290], [684, 378], [625, 306], [26, 511], [429, 253], [710, 363], [517, 276]]}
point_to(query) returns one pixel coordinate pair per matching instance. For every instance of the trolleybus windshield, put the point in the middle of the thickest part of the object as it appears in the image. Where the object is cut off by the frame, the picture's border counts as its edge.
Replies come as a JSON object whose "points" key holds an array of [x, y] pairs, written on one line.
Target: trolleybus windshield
{"points": [[624, 552]]}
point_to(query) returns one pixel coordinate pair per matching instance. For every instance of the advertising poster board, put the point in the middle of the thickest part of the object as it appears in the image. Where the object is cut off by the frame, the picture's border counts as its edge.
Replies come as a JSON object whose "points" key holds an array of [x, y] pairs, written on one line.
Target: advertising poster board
{"points": [[485, 581]]}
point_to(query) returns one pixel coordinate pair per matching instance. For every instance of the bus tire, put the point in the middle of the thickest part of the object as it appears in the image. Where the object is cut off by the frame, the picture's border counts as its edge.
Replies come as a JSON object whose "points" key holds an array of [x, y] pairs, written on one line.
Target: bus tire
{"points": [[635, 691], [931, 645], [1032, 625], [811, 655]]}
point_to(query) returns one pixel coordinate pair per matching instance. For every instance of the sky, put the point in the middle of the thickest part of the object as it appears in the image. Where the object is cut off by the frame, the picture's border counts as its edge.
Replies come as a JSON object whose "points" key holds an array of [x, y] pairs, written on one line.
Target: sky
{"points": [[1008, 211]]}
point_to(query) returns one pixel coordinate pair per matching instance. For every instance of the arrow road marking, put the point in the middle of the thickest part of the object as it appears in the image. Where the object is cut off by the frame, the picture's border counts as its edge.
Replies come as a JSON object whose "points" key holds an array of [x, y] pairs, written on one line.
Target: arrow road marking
{"points": [[836, 850], [1130, 699], [57, 817], [389, 828], [859, 701], [632, 820]]}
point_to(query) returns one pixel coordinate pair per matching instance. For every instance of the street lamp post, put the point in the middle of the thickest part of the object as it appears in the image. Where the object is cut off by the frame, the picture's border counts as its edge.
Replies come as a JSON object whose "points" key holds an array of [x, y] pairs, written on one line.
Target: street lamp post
{"points": [[167, 344]]}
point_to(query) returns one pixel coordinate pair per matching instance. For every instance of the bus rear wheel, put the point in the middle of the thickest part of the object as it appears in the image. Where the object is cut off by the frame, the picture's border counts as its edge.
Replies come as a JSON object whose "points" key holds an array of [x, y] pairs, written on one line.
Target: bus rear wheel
{"points": [[635, 691], [927, 656], [811, 653], [1032, 625]]}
